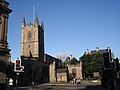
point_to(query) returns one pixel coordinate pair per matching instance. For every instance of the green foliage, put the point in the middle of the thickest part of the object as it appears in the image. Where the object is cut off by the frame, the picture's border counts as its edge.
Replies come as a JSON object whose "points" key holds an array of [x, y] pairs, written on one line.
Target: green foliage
{"points": [[86, 60], [91, 63], [112, 55], [97, 62], [74, 61]]}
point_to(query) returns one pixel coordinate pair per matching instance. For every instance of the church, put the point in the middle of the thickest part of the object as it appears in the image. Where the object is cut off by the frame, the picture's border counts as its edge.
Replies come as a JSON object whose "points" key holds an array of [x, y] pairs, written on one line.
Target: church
{"points": [[39, 67], [32, 54], [36, 63]]}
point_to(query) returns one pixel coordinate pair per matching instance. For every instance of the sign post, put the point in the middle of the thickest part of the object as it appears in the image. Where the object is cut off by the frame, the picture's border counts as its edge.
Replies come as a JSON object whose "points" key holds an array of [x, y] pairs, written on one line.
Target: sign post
{"points": [[17, 74]]}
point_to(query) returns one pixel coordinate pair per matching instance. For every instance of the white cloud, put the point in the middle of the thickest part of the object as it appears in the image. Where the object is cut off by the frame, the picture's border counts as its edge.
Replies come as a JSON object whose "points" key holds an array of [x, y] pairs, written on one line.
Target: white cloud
{"points": [[62, 55]]}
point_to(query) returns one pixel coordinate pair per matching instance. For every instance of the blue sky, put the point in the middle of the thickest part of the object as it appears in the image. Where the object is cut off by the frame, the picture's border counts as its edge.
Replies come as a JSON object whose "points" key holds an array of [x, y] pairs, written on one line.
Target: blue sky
{"points": [[71, 26]]}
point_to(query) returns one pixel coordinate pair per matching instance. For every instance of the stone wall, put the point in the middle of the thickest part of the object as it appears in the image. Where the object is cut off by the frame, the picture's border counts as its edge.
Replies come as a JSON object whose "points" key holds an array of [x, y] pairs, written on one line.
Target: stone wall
{"points": [[52, 72], [62, 75]]}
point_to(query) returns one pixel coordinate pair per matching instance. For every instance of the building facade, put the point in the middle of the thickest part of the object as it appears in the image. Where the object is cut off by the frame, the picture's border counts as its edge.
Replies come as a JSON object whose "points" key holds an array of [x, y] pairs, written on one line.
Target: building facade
{"points": [[62, 75], [4, 49], [58, 73], [75, 70], [4, 15]]}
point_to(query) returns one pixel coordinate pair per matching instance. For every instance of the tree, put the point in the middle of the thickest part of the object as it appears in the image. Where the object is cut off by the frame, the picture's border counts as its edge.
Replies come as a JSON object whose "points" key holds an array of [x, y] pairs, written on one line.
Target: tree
{"points": [[112, 55], [91, 63], [86, 65], [97, 62]]}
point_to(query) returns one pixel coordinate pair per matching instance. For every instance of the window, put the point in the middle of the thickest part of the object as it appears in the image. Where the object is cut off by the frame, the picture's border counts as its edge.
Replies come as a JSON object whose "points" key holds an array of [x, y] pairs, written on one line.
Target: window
{"points": [[29, 35]]}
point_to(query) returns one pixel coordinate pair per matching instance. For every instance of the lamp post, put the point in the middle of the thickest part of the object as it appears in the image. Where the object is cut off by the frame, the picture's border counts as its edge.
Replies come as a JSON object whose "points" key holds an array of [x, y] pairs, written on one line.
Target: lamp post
{"points": [[18, 69]]}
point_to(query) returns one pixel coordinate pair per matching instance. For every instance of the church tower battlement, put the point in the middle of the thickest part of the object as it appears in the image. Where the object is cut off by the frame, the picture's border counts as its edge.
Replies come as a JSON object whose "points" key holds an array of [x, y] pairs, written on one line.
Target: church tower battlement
{"points": [[32, 41]]}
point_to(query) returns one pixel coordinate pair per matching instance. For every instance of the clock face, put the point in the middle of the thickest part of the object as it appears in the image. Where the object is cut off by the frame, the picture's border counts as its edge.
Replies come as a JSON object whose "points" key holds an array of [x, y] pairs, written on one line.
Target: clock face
{"points": [[29, 35]]}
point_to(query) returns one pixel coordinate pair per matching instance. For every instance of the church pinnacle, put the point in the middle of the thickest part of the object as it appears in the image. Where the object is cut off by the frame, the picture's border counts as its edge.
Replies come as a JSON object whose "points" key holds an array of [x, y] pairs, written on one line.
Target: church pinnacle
{"points": [[23, 22], [36, 21], [42, 25]]}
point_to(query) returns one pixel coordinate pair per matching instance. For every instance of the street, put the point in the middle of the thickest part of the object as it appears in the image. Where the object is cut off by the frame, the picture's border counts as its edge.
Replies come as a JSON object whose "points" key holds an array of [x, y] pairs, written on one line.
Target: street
{"points": [[64, 86], [67, 86]]}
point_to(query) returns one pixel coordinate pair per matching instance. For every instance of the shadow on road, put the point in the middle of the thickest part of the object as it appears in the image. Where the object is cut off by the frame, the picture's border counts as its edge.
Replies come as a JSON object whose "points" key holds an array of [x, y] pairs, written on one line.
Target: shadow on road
{"points": [[68, 87], [96, 87]]}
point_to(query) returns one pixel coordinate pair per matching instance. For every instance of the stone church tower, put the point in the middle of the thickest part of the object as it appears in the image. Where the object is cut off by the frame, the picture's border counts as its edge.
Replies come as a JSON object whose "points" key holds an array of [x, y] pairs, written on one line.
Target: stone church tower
{"points": [[32, 42], [4, 14]]}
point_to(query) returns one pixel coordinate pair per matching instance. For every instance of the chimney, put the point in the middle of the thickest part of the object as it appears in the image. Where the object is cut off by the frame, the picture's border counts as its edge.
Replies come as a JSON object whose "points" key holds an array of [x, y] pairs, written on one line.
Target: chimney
{"points": [[97, 49], [87, 51]]}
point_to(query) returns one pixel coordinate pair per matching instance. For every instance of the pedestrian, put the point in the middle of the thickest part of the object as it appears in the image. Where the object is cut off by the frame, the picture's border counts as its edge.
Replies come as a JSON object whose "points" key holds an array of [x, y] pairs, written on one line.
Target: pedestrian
{"points": [[74, 80], [10, 83]]}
